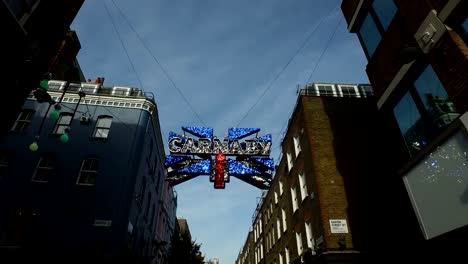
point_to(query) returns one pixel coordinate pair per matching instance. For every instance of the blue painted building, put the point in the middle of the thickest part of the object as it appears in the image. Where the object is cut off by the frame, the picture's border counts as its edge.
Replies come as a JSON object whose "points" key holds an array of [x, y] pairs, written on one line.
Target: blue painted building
{"points": [[100, 193]]}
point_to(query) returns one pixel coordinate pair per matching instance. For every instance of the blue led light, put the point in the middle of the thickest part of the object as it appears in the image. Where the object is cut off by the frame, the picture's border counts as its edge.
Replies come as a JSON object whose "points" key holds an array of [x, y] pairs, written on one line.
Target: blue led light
{"points": [[237, 168], [269, 163], [170, 160], [238, 133], [202, 132], [266, 137], [202, 167], [175, 135]]}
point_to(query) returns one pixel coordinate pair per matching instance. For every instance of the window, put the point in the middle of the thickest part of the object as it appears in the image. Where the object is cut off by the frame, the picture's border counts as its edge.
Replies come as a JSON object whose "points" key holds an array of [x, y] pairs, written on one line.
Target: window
{"points": [[420, 122], [283, 214], [278, 227], [281, 187], [280, 257], [44, 169], [410, 123], [63, 123], [299, 243], [276, 197], [440, 108], [309, 236], [295, 204], [290, 161], [348, 91], [121, 91], [88, 172], [385, 11], [23, 121], [303, 186], [286, 255], [297, 145], [325, 90], [366, 91], [369, 34], [103, 125]]}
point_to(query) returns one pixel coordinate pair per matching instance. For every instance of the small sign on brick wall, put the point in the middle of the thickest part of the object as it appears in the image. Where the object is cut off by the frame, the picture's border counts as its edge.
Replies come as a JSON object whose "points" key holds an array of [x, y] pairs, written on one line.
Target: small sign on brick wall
{"points": [[338, 226]]}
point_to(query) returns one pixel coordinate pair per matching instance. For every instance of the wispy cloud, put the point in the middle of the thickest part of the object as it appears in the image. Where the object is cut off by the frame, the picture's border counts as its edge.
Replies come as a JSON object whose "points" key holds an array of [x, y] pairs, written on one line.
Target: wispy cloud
{"points": [[221, 55]]}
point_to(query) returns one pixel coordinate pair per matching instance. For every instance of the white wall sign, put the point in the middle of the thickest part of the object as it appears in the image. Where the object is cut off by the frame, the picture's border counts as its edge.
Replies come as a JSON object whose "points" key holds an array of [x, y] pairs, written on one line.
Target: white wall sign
{"points": [[338, 226]]}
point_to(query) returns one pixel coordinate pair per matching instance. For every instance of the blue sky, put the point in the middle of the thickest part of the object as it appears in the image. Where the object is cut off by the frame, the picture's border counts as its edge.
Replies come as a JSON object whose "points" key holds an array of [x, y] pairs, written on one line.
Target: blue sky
{"points": [[222, 55]]}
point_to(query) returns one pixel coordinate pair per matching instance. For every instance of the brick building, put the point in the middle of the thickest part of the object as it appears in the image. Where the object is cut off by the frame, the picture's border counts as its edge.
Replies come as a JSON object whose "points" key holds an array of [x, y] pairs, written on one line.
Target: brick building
{"points": [[417, 64], [313, 210]]}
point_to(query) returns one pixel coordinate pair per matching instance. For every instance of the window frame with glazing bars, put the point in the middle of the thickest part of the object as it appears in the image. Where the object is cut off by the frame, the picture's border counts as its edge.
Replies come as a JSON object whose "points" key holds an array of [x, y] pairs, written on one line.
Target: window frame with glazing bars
{"points": [[49, 167], [23, 120], [88, 172], [65, 126], [98, 128], [380, 28], [426, 121]]}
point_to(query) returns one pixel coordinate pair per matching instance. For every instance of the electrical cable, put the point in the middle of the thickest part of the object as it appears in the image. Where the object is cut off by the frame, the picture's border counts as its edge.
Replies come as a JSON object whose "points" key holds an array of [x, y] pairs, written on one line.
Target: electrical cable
{"points": [[324, 50], [287, 64], [159, 64], [123, 45]]}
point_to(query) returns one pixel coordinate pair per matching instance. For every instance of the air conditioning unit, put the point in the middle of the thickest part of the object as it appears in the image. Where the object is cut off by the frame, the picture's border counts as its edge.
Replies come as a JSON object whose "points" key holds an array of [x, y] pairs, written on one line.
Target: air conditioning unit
{"points": [[85, 119]]}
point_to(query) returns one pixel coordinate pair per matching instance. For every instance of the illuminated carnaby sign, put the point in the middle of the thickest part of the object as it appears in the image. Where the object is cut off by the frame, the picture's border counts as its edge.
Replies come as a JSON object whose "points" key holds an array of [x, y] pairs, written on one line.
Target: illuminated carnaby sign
{"points": [[201, 153], [209, 144]]}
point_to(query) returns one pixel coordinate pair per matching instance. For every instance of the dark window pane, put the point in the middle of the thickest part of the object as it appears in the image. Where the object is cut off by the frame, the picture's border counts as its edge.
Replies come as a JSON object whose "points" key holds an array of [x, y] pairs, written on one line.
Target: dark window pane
{"points": [[370, 34], [385, 10], [42, 174], [88, 178], [440, 108], [411, 125]]}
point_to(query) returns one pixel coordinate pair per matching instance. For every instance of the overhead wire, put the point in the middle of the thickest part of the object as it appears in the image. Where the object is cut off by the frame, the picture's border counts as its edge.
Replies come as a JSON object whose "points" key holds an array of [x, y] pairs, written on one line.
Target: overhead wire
{"points": [[287, 64], [122, 43], [284, 127], [159, 64], [324, 50]]}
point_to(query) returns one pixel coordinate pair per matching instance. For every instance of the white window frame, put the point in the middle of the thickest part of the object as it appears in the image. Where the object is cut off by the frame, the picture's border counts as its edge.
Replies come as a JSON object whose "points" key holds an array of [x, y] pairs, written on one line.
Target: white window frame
{"points": [[286, 255], [95, 172], [61, 125], [309, 235], [281, 187], [297, 146], [99, 129], [285, 222], [49, 168], [355, 88], [276, 197], [299, 245], [328, 92], [303, 185], [290, 161], [117, 90], [295, 203], [278, 227], [25, 121], [89, 87]]}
